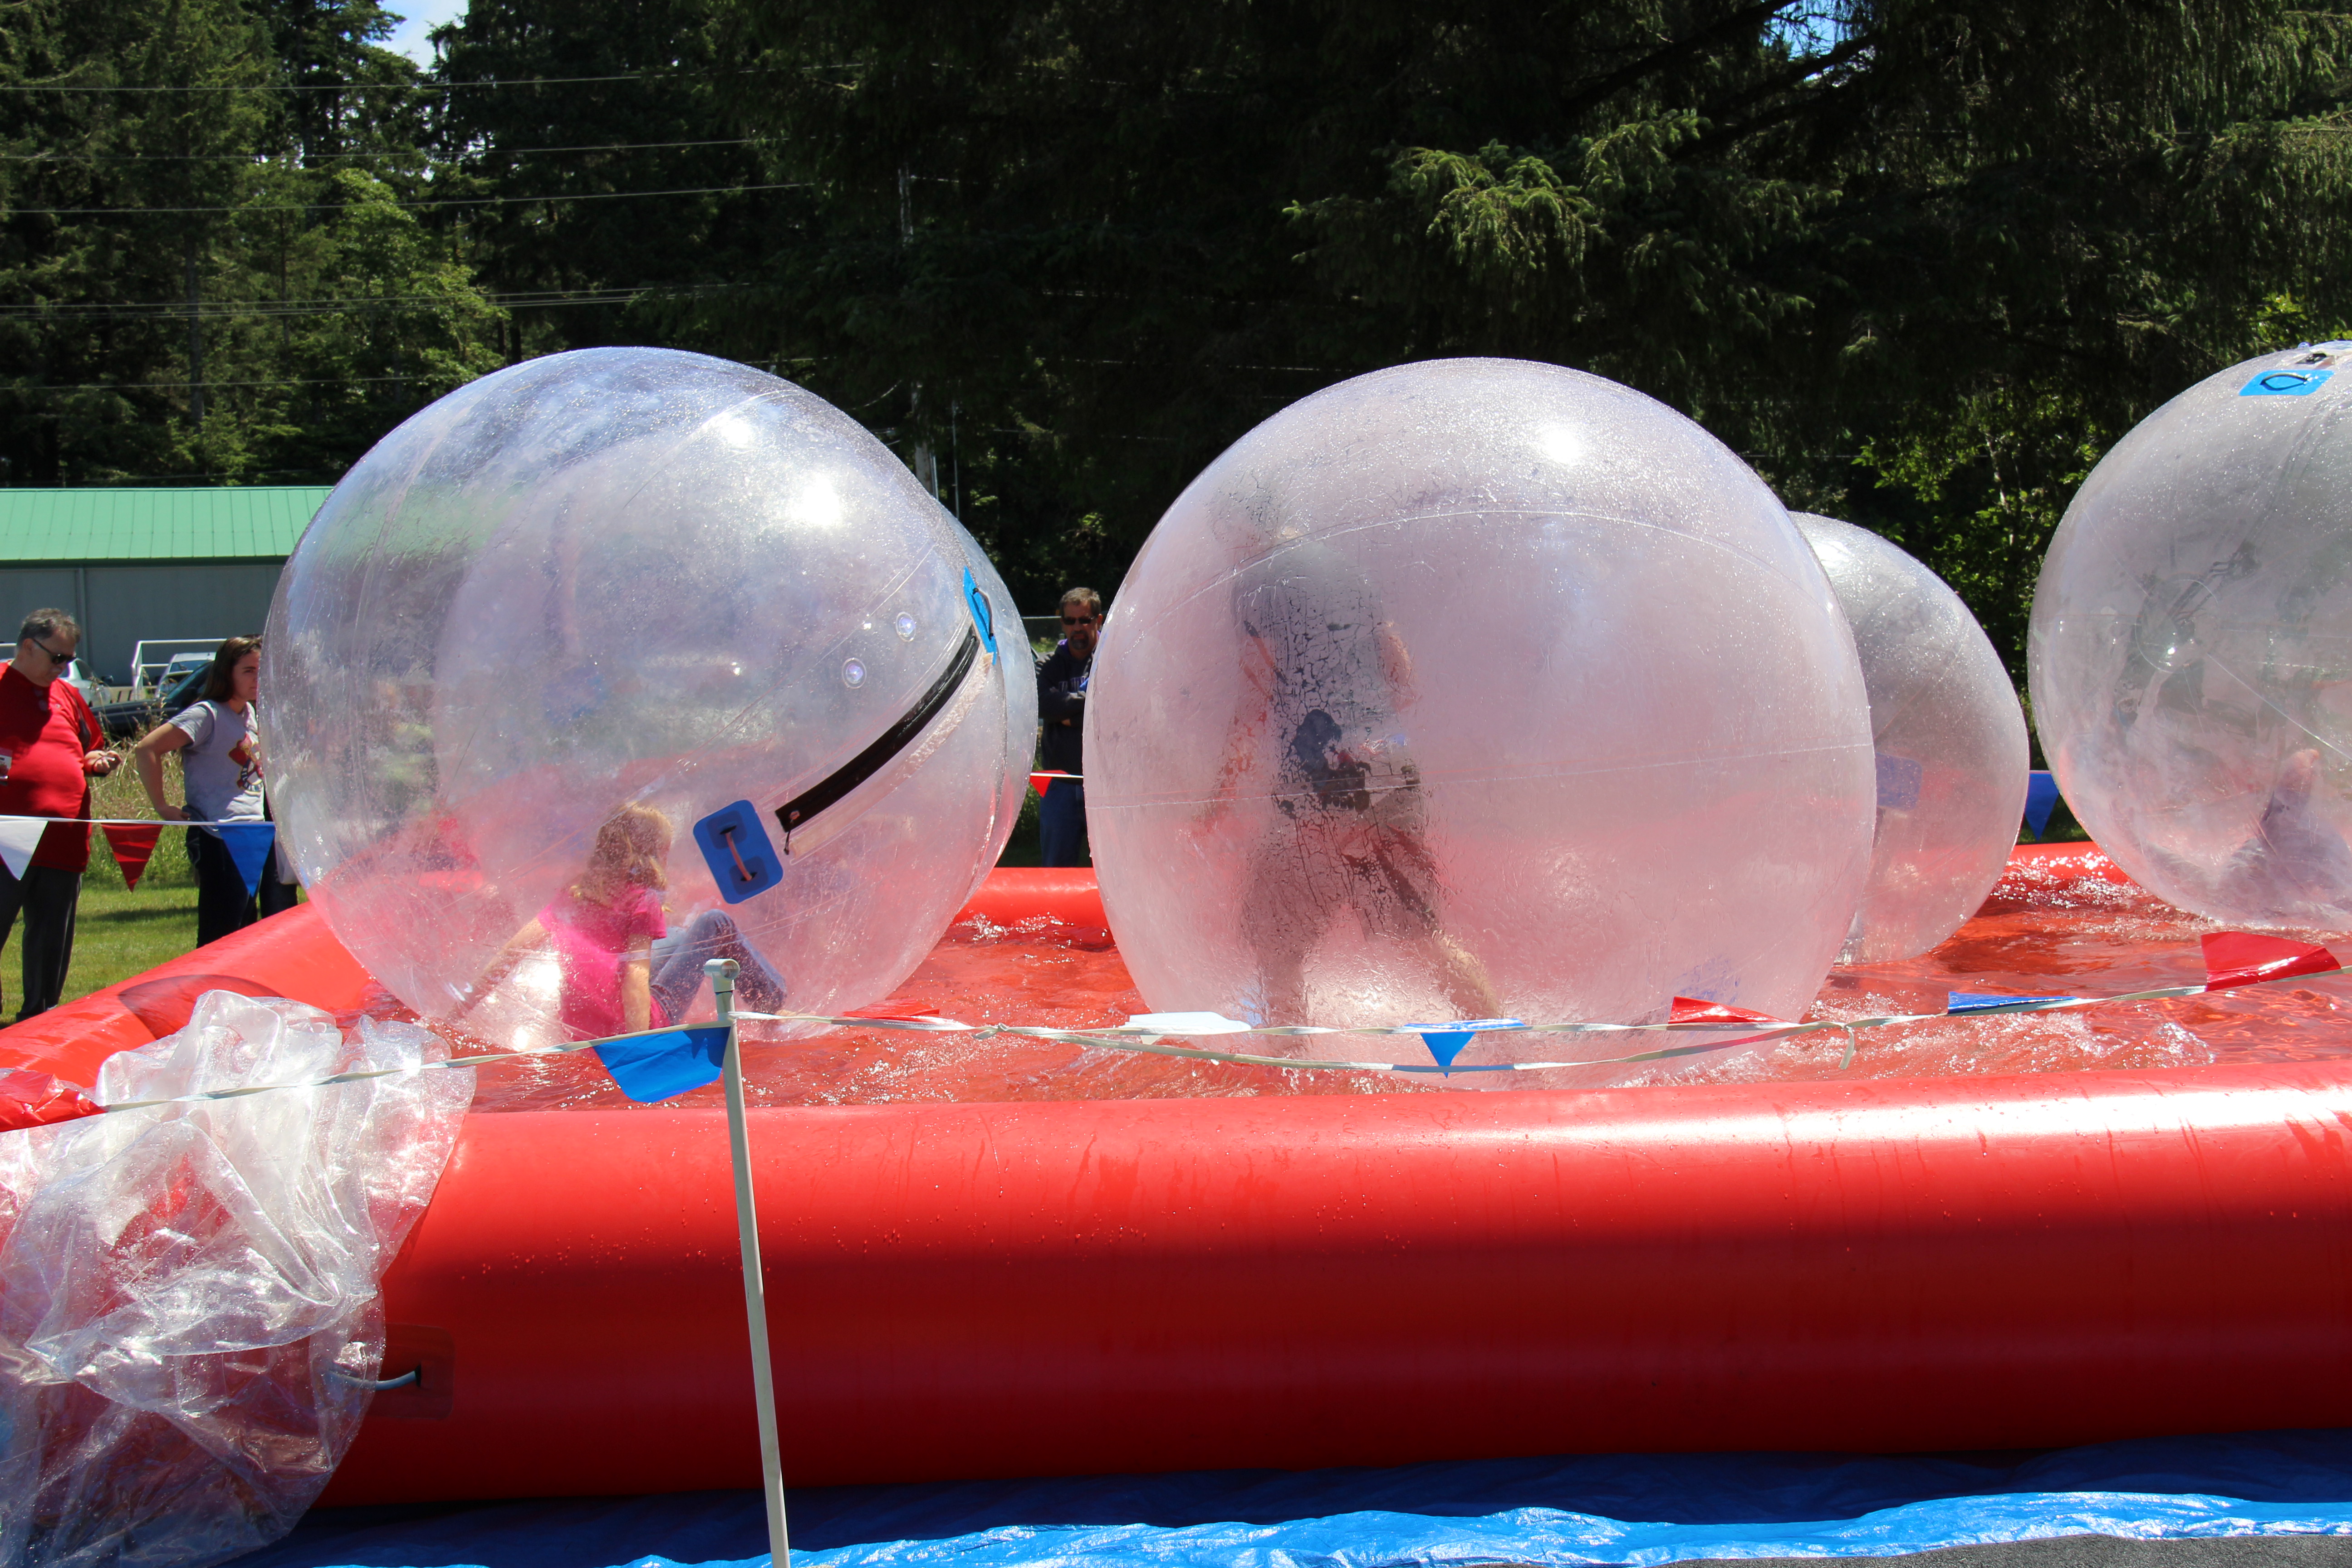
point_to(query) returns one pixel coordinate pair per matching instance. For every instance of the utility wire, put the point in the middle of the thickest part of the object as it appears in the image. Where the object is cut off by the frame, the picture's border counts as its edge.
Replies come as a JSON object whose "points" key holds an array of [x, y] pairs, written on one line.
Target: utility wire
{"points": [[6, 391], [384, 86], [355, 305], [320, 157], [405, 206]]}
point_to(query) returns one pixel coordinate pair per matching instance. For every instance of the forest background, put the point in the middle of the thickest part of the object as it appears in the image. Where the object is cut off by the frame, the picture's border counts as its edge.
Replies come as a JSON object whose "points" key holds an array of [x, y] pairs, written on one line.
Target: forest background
{"points": [[1919, 263]]}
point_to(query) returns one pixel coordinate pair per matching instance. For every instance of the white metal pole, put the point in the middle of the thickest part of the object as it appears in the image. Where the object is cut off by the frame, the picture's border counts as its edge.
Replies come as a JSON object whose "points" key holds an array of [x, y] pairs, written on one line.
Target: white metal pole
{"points": [[722, 973]]}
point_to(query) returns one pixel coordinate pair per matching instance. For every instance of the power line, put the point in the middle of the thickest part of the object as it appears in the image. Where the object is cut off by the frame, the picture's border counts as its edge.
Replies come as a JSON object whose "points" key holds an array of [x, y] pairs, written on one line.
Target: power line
{"points": [[6, 391], [318, 157], [405, 206], [355, 305], [384, 86]]}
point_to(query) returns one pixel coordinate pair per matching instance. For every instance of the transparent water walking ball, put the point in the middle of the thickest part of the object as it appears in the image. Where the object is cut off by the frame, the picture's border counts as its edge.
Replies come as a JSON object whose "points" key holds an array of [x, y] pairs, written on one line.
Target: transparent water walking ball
{"points": [[1478, 687], [1950, 740], [2191, 645], [633, 597]]}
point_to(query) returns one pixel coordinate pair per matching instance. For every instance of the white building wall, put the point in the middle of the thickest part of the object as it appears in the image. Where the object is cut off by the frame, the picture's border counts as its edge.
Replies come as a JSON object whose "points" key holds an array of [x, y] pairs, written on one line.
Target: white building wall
{"points": [[118, 605]]}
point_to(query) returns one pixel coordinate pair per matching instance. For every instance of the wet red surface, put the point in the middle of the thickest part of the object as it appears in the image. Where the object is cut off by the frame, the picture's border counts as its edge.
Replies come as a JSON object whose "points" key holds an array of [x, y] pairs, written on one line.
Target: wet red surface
{"points": [[2060, 927], [2054, 926]]}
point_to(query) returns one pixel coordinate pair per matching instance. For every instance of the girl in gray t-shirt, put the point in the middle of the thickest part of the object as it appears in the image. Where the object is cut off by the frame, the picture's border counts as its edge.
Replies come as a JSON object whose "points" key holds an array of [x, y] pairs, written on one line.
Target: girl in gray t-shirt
{"points": [[220, 760]]}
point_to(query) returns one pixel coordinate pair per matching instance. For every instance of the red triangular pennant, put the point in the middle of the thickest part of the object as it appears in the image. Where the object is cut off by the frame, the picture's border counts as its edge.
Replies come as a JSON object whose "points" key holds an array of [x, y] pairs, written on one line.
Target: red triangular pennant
{"points": [[1694, 1010], [2241, 958], [132, 846], [897, 1009], [1039, 780]]}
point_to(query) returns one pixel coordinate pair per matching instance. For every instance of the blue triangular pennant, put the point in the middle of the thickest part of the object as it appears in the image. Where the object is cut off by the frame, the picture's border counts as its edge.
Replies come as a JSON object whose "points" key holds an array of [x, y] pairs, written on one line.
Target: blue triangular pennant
{"points": [[248, 849], [1446, 1046], [648, 1068], [1980, 1001], [1445, 1041], [2041, 800]]}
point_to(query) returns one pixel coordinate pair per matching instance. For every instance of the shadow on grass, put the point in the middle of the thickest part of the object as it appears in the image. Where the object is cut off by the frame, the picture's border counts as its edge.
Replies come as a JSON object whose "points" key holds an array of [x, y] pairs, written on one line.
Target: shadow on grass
{"points": [[129, 916]]}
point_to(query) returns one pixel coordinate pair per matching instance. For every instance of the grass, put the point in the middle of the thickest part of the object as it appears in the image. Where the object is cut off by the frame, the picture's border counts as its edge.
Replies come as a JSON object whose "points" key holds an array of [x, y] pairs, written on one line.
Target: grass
{"points": [[119, 933], [1025, 848]]}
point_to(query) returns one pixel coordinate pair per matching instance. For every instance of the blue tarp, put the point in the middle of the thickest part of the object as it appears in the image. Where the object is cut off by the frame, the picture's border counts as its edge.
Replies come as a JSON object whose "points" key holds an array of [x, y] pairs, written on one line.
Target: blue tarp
{"points": [[1617, 1508]]}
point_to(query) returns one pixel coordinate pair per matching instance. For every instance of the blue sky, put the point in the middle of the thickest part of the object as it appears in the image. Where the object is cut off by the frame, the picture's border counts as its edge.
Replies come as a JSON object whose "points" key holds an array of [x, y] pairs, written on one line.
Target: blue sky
{"points": [[420, 18]]}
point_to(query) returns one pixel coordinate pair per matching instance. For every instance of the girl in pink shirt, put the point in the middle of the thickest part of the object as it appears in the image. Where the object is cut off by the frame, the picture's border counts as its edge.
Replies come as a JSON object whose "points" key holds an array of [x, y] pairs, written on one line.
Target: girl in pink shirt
{"points": [[603, 928]]}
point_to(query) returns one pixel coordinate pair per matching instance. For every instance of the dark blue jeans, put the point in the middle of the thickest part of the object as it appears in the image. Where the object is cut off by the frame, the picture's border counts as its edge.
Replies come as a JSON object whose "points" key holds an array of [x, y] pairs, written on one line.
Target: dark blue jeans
{"points": [[223, 905], [712, 935], [1062, 823]]}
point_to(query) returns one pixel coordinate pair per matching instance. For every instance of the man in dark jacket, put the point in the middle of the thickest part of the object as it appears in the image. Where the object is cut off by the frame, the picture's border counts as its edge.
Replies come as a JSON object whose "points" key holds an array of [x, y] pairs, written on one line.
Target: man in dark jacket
{"points": [[1062, 708]]}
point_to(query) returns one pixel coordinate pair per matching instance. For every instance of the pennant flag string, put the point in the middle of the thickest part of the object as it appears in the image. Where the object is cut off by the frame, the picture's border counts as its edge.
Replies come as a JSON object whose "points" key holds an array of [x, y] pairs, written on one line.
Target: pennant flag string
{"points": [[656, 1063], [133, 839], [485, 1058], [156, 822]]}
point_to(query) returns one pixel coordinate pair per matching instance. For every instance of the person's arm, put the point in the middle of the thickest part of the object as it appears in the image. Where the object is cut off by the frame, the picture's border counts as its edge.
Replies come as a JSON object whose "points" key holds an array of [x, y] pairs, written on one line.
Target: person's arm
{"points": [[149, 756], [637, 991], [1250, 716], [100, 760], [1057, 702], [528, 940], [1066, 706], [1396, 667]]}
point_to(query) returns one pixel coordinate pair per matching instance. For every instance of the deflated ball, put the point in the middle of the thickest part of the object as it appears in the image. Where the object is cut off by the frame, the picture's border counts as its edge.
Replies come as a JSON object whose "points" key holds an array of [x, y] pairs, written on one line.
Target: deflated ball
{"points": [[1478, 687], [2190, 655], [629, 628], [1950, 740]]}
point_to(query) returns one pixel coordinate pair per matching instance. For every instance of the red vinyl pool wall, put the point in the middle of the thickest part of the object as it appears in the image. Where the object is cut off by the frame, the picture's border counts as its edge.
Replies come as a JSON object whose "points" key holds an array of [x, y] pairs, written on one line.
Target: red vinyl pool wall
{"points": [[1057, 1287]]}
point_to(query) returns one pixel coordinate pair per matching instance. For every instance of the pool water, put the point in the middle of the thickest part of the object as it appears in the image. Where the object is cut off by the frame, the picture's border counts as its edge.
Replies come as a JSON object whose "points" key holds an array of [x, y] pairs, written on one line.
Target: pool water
{"points": [[2057, 925]]}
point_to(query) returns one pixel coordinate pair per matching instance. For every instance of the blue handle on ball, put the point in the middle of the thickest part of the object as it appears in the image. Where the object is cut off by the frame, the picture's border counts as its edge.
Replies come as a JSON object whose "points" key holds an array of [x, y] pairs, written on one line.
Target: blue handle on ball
{"points": [[736, 847]]}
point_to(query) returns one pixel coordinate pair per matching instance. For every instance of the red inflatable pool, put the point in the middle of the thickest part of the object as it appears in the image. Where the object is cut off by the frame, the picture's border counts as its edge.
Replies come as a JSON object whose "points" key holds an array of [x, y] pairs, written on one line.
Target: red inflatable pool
{"points": [[995, 1288]]}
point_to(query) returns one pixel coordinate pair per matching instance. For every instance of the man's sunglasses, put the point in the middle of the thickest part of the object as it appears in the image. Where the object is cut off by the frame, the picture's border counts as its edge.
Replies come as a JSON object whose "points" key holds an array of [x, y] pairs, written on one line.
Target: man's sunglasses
{"points": [[1076, 620], [55, 657]]}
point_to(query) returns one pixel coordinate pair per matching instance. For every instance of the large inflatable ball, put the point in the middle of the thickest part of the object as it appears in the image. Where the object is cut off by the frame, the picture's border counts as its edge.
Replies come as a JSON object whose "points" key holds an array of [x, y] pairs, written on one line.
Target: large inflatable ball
{"points": [[2191, 645], [1950, 738], [1472, 689], [630, 646]]}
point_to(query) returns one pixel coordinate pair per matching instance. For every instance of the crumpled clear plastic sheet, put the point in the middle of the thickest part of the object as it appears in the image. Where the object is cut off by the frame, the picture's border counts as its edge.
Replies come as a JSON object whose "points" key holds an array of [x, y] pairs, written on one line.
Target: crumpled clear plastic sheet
{"points": [[1950, 740], [188, 1295]]}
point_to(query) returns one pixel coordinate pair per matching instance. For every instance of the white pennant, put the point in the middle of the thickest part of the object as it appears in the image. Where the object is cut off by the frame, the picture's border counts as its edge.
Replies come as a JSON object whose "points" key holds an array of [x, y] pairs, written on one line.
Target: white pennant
{"points": [[19, 837]]}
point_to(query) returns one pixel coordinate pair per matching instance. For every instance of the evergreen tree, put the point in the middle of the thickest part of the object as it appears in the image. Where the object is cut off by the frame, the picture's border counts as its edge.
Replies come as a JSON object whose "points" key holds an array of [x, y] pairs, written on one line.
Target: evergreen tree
{"points": [[632, 106], [1919, 260], [209, 271], [1844, 236]]}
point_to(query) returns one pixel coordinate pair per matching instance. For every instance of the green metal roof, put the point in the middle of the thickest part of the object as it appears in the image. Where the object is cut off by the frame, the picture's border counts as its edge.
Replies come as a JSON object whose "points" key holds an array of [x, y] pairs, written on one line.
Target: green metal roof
{"points": [[245, 523]]}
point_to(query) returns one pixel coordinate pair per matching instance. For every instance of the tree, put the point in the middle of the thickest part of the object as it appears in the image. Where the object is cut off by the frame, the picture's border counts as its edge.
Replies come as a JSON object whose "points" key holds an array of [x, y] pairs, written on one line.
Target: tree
{"points": [[214, 272], [621, 188], [1114, 236]]}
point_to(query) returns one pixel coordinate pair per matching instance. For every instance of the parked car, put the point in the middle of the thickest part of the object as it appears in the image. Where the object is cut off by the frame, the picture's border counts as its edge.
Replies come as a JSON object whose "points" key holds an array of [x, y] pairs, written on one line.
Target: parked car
{"points": [[121, 720]]}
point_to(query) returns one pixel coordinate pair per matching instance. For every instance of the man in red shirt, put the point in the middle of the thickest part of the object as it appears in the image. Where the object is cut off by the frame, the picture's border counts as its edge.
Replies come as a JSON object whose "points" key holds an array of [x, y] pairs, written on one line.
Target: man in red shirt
{"points": [[50, 747]]}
